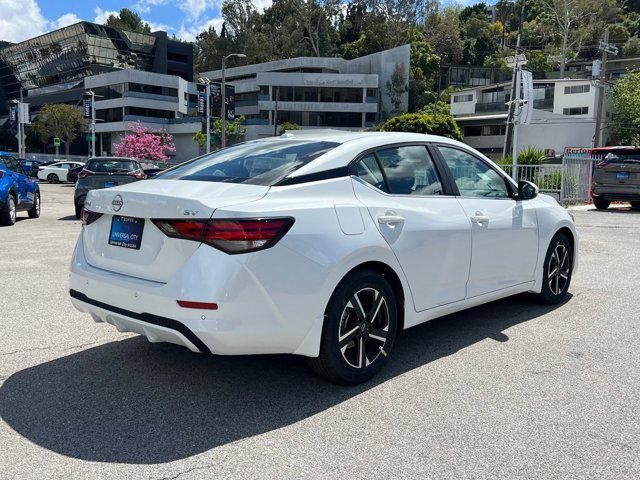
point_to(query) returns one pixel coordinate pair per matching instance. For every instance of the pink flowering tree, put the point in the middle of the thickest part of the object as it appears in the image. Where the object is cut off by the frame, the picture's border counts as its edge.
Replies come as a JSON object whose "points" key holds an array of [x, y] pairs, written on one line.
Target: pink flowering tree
{"points": [[145, 144]]}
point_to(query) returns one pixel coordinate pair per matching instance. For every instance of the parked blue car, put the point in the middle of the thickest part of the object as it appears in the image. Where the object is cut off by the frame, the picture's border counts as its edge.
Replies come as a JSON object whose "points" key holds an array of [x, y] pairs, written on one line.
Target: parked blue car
{"points": [[18, 192]]}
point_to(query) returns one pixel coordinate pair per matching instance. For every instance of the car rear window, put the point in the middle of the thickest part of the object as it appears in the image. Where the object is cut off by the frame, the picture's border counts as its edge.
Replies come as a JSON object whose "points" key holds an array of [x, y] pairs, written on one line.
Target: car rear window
{"points": [[111, 166], [623, 157], [259, 162]]}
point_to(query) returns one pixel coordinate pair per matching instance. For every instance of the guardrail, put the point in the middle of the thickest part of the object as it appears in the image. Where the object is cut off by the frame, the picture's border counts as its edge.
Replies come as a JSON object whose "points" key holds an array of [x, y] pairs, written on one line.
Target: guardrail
{"points": [[51, 157]]}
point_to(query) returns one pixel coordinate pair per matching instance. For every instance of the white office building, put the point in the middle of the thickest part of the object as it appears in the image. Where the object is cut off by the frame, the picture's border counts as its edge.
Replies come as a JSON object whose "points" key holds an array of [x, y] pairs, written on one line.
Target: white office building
{"points": [[157, 101], [311, 92], [317, 92], [564, 116]]}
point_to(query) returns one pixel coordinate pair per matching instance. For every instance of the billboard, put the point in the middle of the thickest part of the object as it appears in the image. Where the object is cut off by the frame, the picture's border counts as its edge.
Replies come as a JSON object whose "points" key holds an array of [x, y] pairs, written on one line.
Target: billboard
{"points": [[202, 99]]}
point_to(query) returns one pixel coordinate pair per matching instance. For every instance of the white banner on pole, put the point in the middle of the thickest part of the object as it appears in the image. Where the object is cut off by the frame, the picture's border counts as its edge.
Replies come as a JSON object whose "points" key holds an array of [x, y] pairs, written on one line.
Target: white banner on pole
{"points": [[23, 113], [526, 115]]}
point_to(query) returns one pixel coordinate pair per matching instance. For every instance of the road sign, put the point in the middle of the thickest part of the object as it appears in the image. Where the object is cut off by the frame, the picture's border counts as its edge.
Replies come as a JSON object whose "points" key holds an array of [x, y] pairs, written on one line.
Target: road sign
{"points": [[56, 142], [516, 60], [610, 48]]}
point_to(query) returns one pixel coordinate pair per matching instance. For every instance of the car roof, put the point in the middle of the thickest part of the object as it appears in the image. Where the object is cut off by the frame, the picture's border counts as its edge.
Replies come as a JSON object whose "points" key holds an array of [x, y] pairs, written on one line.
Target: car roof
{"points": [[352, 144]]}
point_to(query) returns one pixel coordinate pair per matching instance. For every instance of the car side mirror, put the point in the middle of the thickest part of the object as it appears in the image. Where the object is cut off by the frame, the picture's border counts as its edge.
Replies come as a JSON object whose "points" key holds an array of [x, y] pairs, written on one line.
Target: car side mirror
{"points": [[527, 190]]}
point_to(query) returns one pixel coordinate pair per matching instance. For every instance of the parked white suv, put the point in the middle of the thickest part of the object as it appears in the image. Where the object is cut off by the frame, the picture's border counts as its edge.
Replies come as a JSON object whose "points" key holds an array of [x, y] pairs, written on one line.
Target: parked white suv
{"points": [[325, 245]]}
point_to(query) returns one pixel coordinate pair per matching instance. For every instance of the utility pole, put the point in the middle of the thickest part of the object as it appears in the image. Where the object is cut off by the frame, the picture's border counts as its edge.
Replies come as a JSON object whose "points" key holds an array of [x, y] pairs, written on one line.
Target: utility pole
{"points": [[607, 49], [17, 114], [509, 133]]}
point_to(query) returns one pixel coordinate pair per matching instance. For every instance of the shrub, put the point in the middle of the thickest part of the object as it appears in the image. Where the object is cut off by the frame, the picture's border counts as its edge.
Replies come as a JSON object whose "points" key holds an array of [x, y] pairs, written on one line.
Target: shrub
{"points": [[287, 127], [434, 124], [531, 156]]}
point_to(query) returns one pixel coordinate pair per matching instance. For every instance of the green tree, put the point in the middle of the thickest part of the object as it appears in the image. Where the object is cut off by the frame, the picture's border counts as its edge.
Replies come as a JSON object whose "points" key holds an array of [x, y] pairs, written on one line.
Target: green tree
{"points": [[625, 102], [234, 131], [631, 48], [59, 120], [128, 20]]}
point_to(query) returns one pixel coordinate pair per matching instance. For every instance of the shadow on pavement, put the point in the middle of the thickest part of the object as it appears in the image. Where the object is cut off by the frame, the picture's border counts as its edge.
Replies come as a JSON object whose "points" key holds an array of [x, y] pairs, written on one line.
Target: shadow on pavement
{"points": [[133, 402], [69, 217]]}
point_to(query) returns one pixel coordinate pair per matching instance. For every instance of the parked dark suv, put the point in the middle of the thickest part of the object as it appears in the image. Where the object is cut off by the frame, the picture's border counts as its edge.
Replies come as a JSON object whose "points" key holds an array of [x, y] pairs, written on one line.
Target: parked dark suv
{"points": [[105, 172], [617, 177]]}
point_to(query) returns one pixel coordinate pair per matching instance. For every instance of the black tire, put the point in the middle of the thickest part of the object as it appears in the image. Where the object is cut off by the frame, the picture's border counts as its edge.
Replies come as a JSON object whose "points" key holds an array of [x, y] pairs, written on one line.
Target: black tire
{"points": [[78, 211], [347, 364], [34, 212], [600, 203], [8, 212], [556, 280], [53, 178], [635, 205]]}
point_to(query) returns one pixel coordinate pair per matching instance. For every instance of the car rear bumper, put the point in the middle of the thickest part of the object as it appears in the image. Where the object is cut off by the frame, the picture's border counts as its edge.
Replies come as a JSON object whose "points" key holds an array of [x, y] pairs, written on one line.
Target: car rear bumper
{"points": [[249, 320], [617, 192]]}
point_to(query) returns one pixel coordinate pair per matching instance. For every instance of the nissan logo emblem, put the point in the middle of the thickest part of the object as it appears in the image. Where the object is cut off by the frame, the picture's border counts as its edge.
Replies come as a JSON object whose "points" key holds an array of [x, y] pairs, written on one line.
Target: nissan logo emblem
{"points": [[117, 203]]}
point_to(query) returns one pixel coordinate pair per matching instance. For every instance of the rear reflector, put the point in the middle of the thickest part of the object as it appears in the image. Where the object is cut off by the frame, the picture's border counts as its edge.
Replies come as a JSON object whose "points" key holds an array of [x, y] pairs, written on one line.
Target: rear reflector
{"points": [[237, 235], [198, 305]]}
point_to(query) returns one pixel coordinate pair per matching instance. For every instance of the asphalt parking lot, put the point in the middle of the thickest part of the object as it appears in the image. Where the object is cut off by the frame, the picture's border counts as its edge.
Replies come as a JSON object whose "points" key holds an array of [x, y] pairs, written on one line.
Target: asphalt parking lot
{"points": [[508, 390]]}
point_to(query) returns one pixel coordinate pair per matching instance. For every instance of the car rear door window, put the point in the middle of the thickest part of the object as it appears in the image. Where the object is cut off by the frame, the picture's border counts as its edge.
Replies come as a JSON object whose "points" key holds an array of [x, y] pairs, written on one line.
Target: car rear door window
{"points": [[473, 177], [410, 171], [369, 170]]}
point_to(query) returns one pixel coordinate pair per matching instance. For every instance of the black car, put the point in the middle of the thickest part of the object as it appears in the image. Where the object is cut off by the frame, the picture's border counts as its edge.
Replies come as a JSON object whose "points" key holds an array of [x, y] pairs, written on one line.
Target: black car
{"points": [[72, 174], [105, 172]]}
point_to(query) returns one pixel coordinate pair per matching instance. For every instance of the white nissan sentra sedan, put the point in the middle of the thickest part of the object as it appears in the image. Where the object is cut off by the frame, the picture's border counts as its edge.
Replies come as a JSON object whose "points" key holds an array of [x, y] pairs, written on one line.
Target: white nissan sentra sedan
{"points": [[324, 244]]}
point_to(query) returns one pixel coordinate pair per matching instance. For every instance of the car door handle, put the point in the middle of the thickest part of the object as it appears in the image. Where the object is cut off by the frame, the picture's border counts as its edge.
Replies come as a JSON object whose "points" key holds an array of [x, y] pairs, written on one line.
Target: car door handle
{"points": [[480, 219], [390, 220]]}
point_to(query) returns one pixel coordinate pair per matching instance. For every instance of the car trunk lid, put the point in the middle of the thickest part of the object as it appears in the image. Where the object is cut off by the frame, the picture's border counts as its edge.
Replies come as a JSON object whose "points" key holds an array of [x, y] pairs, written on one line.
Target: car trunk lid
{"points": [[158, 257]]}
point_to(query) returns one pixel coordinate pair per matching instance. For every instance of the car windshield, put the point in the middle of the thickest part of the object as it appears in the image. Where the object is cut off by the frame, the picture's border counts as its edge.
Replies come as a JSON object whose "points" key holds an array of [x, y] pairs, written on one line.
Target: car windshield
{"points": [[632, 156], [259, 162], [111, 166]]}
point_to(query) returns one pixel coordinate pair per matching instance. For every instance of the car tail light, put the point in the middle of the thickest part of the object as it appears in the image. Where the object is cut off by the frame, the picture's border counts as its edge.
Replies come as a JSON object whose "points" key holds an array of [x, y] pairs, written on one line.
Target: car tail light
{"points": [[237, 235], [84, 173], [198, 305], [1, 174], [138, 174], [88, 217]]}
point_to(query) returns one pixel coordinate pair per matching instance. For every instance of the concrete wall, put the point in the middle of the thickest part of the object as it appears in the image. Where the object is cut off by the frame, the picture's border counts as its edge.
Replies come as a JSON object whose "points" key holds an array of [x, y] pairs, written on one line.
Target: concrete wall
{"points": [[384, 65]]}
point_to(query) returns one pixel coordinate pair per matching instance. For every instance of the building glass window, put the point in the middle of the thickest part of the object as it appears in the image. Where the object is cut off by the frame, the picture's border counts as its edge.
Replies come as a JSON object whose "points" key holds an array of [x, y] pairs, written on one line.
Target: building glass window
{"points": [[473, 131], [573, 89], [575, 111], [463, 98]]}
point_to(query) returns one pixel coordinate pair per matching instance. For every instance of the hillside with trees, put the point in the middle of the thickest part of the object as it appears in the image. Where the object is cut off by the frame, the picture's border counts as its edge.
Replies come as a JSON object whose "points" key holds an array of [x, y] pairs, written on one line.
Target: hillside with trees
{"points": [[555, 33]]}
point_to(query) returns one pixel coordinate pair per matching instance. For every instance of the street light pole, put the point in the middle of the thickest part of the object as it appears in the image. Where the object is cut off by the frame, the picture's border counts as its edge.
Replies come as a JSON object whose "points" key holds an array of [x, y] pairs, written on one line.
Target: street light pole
{"points": [[223, 110], [207, 109]]}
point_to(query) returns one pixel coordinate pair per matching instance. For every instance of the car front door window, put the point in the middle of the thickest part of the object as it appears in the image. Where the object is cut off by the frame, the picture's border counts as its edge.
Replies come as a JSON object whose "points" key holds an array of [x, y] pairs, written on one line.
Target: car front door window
{"points": [[473, 177]]}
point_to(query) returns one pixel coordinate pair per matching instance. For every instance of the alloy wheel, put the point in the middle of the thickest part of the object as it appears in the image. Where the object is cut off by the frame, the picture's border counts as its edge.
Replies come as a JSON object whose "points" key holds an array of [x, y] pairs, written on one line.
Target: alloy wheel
{"points": [[559, 269], [364, 327]]}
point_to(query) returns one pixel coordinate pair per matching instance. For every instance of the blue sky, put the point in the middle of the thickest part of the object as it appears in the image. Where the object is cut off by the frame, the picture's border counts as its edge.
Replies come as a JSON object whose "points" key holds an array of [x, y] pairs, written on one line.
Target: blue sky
{"points": [[22, 19]]}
